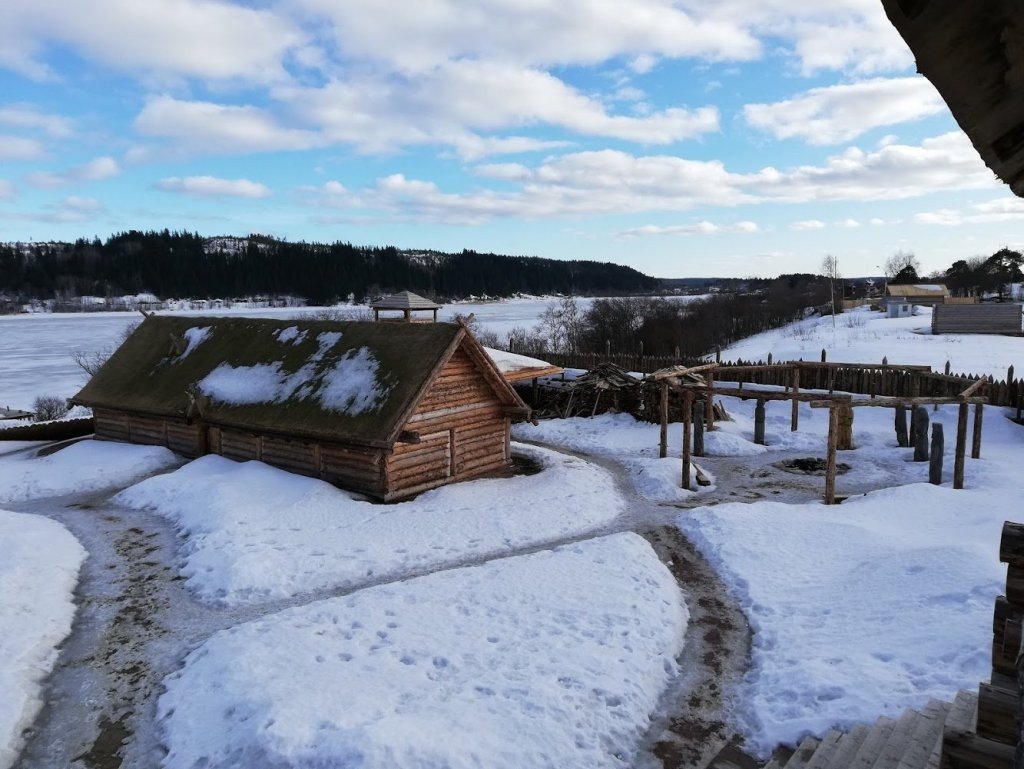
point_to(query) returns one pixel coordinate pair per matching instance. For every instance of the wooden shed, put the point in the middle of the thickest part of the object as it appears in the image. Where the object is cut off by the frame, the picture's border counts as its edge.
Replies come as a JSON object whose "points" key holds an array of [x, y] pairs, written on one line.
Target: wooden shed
{"points": [[1002, 318], [387, 409], [929, 294]]}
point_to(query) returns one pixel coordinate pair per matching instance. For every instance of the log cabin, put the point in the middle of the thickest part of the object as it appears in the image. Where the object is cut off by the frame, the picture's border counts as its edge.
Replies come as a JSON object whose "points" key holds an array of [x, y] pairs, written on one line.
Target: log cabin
{"points": [[384, 409]]}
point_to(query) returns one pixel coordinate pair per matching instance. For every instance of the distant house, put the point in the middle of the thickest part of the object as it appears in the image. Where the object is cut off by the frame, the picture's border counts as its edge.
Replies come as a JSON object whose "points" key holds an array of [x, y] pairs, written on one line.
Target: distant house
{"points": [[387, 409], [928, 294]]}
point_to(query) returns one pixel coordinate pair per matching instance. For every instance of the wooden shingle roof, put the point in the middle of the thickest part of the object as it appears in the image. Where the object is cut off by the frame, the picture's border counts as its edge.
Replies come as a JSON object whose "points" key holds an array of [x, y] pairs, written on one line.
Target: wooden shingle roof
{"points": [[404, 300], [917, 289], [348, 382]]}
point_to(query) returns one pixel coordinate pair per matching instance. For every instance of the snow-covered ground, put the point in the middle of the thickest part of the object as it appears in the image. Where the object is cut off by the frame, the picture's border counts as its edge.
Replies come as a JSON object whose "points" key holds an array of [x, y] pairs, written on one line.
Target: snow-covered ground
{"points": [[85, 466], [38, 573], [256, 533], [863, 336], [548, 660]]}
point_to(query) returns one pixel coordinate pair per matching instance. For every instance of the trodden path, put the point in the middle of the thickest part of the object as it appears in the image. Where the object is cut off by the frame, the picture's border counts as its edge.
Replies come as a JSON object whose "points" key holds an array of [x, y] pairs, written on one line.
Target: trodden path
{"points": [[136, 622]]}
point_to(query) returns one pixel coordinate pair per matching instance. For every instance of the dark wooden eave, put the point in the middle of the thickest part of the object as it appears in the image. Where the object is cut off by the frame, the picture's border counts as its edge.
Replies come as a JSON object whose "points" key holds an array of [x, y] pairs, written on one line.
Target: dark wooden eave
{"points": [[973, 53]]}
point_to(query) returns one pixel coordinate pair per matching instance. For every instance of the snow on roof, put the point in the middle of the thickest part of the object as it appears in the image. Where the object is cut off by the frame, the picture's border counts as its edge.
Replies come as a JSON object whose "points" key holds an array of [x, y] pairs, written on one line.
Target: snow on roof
{"points": [[917, 289], [515, 367], [404, 300]]}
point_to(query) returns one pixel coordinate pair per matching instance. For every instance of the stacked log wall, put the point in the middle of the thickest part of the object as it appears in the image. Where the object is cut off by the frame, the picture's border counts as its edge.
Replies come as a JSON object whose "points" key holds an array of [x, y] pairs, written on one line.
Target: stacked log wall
{"points": [[463, 432]]}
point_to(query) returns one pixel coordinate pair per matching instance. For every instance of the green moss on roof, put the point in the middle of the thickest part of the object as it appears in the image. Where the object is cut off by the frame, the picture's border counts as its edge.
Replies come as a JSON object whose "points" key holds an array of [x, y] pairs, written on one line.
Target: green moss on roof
{"points": [[145, 375]]}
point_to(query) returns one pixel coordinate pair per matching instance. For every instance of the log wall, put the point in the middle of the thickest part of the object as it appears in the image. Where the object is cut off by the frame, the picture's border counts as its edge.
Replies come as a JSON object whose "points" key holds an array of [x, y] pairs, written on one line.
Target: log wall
{"points": [[463, 432], [977, 319]]}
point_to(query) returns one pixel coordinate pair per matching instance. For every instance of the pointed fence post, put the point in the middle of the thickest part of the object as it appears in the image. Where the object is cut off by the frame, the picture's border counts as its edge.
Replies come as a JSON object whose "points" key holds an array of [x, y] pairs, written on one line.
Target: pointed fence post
{"points": [[824, 357], [938, 446], [830, 461], [687, 435], [663, 413], [698, 430], [901, 426], [976, 437], [759, 422], [921, 434], [961, 448], [794, 419]]}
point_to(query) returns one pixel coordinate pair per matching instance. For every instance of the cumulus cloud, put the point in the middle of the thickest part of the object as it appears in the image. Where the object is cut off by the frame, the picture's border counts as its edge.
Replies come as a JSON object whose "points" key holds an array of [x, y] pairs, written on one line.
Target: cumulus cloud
{"points": [[95, 170], [989, 212], [609, 181], [26, 116], [209, 39], [209, 127], [697, 228], [807, 224], [211, 186], [19, 148], [70, 210], [840, 113], [849, 224]]}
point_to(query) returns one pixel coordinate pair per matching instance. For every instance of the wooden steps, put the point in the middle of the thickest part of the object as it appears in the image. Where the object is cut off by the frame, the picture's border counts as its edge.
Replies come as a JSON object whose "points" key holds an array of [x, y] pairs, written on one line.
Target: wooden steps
{"points": [[912, 741]]}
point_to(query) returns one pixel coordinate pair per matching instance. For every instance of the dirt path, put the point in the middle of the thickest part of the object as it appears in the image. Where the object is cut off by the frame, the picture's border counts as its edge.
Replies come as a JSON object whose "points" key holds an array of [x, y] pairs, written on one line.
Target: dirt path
{"points": [[136, 623]]}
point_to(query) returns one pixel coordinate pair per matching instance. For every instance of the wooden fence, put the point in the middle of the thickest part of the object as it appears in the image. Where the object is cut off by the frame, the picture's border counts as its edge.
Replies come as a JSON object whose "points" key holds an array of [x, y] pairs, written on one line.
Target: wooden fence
{"points": [[883, 379]]}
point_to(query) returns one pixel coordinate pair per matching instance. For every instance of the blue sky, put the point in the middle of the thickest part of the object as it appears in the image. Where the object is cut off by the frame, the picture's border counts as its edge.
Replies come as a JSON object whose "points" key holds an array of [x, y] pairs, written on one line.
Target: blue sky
{"points": [[686, 138]]}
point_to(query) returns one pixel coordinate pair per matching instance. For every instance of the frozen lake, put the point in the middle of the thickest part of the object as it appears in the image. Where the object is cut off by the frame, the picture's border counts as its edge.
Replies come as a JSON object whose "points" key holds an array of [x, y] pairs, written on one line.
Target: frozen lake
{"points": [[35, 350]]}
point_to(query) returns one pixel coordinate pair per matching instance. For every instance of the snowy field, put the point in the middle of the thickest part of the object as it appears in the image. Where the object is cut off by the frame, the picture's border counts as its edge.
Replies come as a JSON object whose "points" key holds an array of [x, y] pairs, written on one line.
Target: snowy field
{"points": [[552, 660], [256, 533], [863, 336], [38, 573]]}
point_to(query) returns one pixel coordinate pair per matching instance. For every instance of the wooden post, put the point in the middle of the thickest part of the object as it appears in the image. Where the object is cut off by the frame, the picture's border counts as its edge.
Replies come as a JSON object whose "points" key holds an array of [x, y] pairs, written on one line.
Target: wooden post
{"points": [[794, 419], [769, 359], [687, 431], [844, 439], [961, 448], [947, 368], [830, 464], [709, 405], [663, 445], [607, 347], [698, 430], [976, 436], [759, 422], [824, 357], [718, 355], [901, 426], [920, 434], [938, 445]]}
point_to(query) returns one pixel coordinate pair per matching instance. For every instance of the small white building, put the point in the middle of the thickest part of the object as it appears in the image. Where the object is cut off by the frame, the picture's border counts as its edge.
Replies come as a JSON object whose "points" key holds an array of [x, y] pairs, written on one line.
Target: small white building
{"points": [[899, 309]]}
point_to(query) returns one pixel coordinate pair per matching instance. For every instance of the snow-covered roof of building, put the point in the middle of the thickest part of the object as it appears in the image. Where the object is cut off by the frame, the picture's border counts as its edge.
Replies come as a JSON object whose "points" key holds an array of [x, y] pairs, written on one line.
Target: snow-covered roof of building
{"points": [[917, 289], [404, 300], [516, 368], [347, 382]]}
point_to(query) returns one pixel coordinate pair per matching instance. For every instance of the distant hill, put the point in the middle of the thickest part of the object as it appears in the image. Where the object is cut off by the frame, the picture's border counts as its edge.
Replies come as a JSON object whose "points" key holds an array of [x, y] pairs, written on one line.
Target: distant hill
{"points": [[181, 264]]}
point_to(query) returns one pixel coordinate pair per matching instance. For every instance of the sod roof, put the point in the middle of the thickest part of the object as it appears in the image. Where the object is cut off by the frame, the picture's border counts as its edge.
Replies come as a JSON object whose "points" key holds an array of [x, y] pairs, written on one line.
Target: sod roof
{"points": [[350, 382]]}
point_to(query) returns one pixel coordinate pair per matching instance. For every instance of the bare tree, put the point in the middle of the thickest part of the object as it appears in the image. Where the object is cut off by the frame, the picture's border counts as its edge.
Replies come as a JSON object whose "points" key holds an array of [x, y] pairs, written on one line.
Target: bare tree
{"points": [[47, 407], [830, 269], [900, 261], [91, 361]]}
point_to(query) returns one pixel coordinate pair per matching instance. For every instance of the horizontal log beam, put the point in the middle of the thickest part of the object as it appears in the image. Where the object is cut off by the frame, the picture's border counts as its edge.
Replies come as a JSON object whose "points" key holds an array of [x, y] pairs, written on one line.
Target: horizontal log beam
{"points": [[973, 388], [1011, 543], [893, 401]]}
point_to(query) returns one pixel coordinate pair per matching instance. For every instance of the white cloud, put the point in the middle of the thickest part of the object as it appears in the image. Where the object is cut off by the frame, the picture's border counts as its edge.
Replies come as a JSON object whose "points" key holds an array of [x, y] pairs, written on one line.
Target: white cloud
{"points": [[608, 181], [69, 210], [200, 126], [19, 148], [698, 228], [840, 113], [97, 169], [211, 186], [26, 116], [208, 39], [7, 190], [416, 37], [849, 224], [807, 224], [989, 212]]}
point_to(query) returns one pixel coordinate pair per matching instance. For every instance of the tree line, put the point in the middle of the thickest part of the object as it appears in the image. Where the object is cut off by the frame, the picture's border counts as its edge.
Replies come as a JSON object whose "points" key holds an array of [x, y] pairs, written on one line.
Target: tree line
{"points": [[186, 265]]}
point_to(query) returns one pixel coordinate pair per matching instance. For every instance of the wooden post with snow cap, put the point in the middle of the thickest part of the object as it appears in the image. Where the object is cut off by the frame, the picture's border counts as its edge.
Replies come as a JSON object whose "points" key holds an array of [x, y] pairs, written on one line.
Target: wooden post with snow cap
{"points": [[935, 463], [830, 456], [687, 435], [794, 419], [663, 412], [759, 422], [976, 435], [961, 448]]}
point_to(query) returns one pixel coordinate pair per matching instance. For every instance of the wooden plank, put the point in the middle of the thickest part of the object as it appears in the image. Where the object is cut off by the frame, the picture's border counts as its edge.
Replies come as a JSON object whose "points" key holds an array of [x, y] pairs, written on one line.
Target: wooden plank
{"points": [[663, 416], [927, 735], [848, 747], [687, 437], [830, 461], [869, 749], [899, 740], [997, 714], [976, 435]]}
